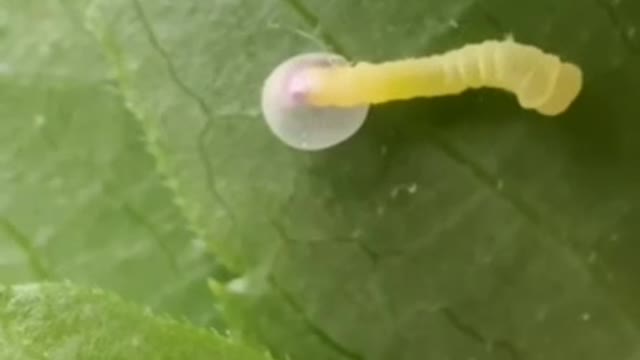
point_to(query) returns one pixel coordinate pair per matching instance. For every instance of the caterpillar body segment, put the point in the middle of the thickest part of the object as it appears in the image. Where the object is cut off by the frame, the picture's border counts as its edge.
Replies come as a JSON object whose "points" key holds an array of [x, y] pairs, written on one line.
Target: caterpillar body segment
{"points": [[568, 86], [540, 81]]}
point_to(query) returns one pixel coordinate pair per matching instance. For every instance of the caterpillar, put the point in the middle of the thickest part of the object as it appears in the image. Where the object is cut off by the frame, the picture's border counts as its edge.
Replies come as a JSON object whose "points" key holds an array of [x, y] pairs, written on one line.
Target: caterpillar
{"points": [[540, 81], [324, 94]]}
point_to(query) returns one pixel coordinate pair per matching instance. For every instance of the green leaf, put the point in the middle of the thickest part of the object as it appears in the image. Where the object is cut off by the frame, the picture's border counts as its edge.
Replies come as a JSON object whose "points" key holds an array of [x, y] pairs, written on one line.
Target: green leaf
{"points": [[61, 321], [79, 195], [461, 227]]}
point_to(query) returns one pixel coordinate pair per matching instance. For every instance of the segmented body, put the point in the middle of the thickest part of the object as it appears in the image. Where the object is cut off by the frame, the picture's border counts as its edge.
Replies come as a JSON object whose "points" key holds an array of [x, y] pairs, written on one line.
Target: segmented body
{"points": [[540, 81]]}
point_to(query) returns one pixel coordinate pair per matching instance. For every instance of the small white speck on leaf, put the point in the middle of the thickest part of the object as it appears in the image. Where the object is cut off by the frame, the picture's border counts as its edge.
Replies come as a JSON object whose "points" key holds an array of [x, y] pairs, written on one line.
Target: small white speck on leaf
{"points": [[610, 276], [97, 292], [542, 313], [585, 316], [198, 244], [179, 201], [39, 121], [56, 182], [500, 184], [485, 259], [5, 69], [44, 50], [409, 188], [238, 286], [135, 341], [172, 184], [134, 65], [273, 25], [454, 24]]}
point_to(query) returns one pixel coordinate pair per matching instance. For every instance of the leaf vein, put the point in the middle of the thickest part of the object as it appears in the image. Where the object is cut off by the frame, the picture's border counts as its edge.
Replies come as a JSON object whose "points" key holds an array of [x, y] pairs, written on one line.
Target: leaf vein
{"points": [[468, 331], [27, 246], [201, 103], [313, 21], [315, 329]]}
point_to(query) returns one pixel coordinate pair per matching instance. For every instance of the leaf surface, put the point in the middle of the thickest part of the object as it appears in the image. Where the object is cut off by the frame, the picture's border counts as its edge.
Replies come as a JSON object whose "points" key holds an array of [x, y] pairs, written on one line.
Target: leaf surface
{"points": [[80, 197], [460, 227], [59, 321]]}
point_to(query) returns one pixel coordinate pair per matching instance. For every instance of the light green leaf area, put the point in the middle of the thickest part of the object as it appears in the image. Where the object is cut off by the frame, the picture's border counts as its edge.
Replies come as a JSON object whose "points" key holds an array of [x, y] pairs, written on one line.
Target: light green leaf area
{"points": [[80, 198], [55, 321], [454, 228]]}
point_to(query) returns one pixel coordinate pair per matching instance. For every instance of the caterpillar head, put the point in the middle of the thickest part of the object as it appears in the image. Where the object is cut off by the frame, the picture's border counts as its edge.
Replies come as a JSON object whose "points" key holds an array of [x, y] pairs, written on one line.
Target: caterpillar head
{"points": [[297, 123]]}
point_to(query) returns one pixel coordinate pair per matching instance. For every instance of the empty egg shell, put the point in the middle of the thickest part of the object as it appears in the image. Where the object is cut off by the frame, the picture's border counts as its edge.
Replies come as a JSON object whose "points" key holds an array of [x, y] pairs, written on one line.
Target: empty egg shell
{"points": [[293, 120]]}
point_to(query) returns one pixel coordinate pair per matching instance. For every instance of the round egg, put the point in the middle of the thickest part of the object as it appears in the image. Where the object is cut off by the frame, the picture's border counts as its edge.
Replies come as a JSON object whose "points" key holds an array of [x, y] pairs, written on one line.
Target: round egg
{"points": [[297, 123]]}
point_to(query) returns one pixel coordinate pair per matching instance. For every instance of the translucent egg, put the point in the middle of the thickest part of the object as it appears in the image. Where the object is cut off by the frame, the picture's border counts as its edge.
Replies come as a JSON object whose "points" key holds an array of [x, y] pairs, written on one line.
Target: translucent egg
{"points": [[293, 120]]}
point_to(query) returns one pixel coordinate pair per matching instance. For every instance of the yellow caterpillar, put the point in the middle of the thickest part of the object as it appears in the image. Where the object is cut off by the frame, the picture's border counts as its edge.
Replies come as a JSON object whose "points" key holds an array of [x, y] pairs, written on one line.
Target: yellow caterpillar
{"points": [[315, 101], [540, 81]]}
